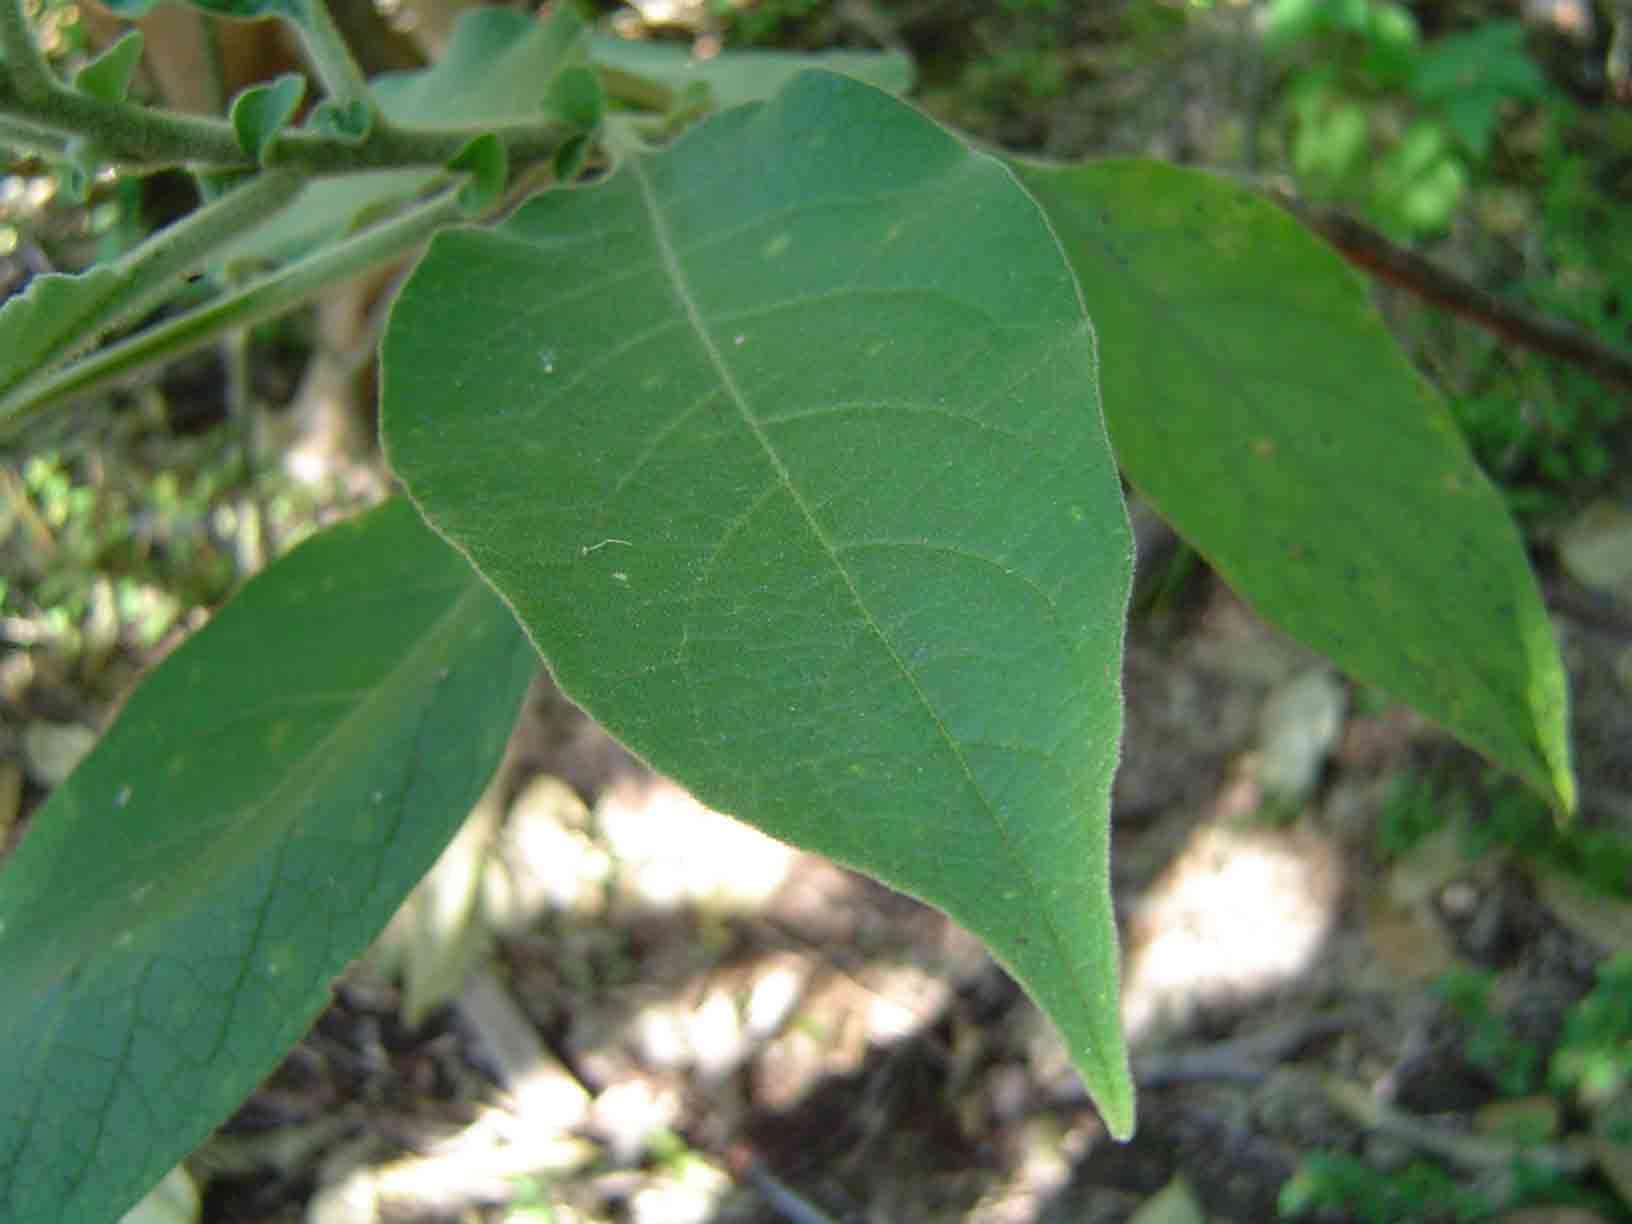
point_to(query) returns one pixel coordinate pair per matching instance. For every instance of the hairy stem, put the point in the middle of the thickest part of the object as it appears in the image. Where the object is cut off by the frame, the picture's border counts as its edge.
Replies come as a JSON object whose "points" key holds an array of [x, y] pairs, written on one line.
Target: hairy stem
{"points": [[143, 139], [336, 67], [264, 299], [122, 132], [388, 146], [25, 63], [23, 136], [149, 273]]}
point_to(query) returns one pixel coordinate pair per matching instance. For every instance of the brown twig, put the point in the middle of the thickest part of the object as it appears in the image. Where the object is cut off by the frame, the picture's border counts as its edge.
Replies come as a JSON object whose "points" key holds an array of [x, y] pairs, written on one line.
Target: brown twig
{"points": [[1373, 253]]}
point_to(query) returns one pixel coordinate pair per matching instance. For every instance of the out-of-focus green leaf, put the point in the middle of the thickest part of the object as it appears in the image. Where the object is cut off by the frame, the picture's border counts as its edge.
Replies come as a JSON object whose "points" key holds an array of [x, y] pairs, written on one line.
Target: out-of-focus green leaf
{"points": [[1470, 75], [107, 77], [172, 921], [733, 77], [1420, 183]]}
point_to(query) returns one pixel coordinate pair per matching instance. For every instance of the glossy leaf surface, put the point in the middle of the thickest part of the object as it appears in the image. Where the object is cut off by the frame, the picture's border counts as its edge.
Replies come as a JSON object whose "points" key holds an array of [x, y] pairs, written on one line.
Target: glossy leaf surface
{"points": [[172, 921], [107, 77], [785, 447], [1256, 398]]}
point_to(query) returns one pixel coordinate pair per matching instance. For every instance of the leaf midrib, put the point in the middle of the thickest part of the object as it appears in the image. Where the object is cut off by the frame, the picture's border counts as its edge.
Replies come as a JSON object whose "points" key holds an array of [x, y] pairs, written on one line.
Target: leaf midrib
{"points": [[680, 284], [306, 776]]}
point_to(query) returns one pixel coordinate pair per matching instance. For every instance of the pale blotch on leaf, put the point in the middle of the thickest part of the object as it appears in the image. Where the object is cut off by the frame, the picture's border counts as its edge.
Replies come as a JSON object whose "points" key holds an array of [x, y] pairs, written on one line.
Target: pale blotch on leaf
{"points": [[278, 960], [776, 246]]}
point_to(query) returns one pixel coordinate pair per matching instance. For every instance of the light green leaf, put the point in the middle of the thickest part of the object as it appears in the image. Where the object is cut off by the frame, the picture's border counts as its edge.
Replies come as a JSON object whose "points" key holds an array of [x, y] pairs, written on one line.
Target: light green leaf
{"points": [[57, 314], [734, 77], [1471, 76], [107, 77], [172, 921], [1256, 398], [348, 120], [785, 447], [498, 65], [484, 158], [576, 96], [261, 111]]}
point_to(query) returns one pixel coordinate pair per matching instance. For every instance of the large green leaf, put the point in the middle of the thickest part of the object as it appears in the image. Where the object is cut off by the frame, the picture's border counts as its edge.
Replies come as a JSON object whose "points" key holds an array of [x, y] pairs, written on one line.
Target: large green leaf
{"points": [[1256, 398], [172, 921], [785, 447]]}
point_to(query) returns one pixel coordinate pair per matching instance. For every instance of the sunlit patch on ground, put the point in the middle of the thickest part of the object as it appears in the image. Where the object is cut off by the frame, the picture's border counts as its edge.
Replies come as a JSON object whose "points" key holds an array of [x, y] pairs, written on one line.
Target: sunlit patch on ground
{"points": [[1238, 913]]}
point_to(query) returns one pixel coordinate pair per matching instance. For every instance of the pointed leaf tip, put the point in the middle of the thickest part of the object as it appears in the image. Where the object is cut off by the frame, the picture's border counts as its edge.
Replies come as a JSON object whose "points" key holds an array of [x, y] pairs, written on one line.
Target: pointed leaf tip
{"points": [[1320, 474]]}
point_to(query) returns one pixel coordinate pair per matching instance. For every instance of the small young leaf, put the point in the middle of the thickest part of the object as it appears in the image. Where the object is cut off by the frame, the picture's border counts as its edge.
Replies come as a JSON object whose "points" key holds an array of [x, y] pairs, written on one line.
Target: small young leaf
{"points": [[785, 446], [107, 77], [349, 120], [576, 96], [1256, 398], [81, 160], [484, 158], [172, 921], [262, 111]]}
